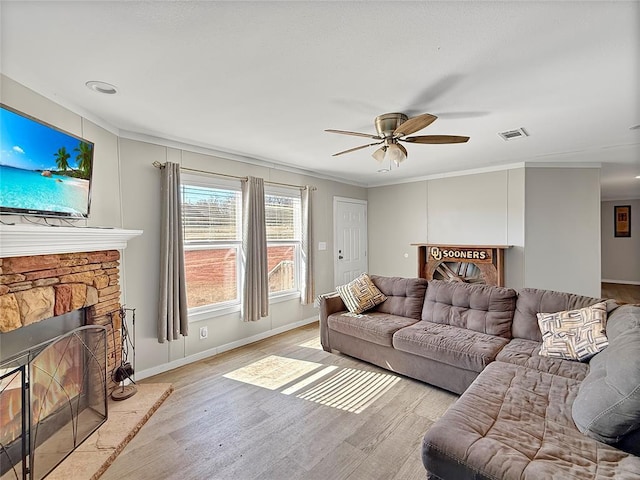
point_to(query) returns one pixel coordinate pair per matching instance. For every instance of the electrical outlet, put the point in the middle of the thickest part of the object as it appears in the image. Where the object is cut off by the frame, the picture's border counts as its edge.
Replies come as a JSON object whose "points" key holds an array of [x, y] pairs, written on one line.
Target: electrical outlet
{"points": [[204, 333]]}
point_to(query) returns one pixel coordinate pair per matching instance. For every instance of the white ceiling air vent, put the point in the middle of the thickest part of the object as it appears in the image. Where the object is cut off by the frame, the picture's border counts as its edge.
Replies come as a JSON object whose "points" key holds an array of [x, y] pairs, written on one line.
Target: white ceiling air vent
{"points": [[513, 134]]}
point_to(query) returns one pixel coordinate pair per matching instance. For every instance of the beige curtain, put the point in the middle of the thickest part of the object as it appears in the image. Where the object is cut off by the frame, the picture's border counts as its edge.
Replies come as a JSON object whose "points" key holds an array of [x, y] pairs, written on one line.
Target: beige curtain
{"points": [[255, 298], [308, 286], [172, 313]]}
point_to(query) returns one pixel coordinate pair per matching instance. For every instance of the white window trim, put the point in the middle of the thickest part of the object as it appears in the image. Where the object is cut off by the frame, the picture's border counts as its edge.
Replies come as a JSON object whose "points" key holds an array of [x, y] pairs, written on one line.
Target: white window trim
{"points": [[210, 182], [205, 312], [284, 297]]}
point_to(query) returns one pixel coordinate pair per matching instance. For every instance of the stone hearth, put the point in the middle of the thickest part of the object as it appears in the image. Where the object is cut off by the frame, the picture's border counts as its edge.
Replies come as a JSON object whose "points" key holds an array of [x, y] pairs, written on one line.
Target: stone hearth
{"points": [[126, 418]]}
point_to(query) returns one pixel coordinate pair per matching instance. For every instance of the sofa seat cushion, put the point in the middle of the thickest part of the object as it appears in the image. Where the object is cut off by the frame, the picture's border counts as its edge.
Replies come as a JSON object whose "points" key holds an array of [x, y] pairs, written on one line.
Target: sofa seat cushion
{"points": [[405, 296], [371, 326], [455, 346], [515, 423], [527, 354], [482, 308]]}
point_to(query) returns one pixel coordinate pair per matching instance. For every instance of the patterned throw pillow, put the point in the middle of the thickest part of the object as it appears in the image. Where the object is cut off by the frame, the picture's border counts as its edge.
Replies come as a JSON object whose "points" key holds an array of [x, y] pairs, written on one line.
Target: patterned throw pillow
{"points": [[360, 294], [575, 334]]}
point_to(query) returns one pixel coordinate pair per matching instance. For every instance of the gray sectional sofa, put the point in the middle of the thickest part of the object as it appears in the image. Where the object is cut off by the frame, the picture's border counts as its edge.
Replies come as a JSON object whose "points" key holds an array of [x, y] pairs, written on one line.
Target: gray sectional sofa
{"points": [[520, 415]]}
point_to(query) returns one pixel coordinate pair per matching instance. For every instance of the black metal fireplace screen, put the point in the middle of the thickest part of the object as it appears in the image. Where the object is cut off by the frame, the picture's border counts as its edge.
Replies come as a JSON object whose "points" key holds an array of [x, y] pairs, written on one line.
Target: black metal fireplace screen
{"points": [[52, 397]]}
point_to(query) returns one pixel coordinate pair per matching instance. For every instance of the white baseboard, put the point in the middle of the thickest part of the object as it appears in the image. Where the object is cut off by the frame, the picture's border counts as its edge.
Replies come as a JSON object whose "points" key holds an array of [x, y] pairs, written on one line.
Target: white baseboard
{"points": [[624, 282], [165, 367]]}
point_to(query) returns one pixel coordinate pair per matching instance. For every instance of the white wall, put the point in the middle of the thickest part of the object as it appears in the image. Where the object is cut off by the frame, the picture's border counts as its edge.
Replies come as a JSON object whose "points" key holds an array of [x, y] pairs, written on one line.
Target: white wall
{"points": [[620, 255], [549, 216], [514, 256], [468, 209], [480, 209], [397, 217], [562, 229]]}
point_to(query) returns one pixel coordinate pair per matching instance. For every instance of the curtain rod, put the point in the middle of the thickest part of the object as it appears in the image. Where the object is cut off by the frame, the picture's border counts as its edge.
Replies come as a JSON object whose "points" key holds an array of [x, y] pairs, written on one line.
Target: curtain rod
{"points": [[242, 179]]}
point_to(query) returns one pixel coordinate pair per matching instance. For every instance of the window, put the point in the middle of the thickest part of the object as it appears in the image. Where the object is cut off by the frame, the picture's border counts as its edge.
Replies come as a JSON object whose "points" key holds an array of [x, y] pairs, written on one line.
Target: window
{"points": [[211, 219], [283, 222], [212, 226]]}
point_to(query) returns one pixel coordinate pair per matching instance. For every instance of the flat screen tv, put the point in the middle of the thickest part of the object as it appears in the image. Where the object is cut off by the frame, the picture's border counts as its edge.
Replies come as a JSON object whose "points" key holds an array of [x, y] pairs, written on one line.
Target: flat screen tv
{"points": [[44, 171]]}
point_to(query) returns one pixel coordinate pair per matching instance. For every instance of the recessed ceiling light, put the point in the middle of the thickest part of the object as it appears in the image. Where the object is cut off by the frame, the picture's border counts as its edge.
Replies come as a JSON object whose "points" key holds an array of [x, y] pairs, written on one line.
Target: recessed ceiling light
{"points": [[635, 127], [102, 87], [638, 176], [383, 170]]}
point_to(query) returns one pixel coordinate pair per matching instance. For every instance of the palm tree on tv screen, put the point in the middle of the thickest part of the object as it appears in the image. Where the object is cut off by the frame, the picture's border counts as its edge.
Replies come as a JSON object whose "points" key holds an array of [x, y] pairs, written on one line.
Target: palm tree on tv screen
{"points": [[62, 159], [84, 158]]}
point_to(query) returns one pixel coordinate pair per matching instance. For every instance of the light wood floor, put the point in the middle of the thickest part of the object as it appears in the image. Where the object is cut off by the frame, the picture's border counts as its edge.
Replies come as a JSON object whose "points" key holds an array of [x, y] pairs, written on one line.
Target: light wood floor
{"points": [[285, 410], [621, 292]]}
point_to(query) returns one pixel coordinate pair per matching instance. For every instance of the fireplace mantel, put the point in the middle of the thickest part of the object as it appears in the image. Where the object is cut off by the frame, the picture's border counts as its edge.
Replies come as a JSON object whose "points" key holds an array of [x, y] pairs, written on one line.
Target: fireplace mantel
{"points": [[24, 240]]}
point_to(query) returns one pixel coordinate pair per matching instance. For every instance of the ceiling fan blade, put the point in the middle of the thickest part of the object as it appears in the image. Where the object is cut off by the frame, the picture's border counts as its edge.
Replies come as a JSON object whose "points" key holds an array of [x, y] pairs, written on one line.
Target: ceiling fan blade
{"points": [[436, 139], [414, 124], [344, 132], [356, 148]]}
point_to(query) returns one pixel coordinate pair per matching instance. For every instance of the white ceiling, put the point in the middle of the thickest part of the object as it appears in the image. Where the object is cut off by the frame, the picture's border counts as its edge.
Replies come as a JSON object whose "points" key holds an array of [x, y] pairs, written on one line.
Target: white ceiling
{"points": [[264, 79]]}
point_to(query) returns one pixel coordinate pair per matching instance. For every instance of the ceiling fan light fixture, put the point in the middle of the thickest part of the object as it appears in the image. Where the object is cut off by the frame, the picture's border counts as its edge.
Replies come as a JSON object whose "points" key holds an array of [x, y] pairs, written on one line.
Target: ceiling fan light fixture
{"points": [[396, 154], [379, 154]]}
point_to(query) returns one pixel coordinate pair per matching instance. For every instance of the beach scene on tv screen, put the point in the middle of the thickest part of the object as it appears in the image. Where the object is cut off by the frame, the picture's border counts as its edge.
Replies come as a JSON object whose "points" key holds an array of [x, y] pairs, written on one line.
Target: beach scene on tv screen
{"points": [[42, 169]]}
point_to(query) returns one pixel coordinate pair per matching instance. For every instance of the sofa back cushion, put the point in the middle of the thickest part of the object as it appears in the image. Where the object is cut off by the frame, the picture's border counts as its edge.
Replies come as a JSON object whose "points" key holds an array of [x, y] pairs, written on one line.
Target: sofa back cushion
{"points": [[532, 301], [607, 406], [405, 296], [482, 308]]}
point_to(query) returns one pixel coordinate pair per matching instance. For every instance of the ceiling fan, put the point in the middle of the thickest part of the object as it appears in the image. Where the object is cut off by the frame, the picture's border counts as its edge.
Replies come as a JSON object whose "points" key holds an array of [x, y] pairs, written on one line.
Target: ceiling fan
{"points": [[393, 128]]}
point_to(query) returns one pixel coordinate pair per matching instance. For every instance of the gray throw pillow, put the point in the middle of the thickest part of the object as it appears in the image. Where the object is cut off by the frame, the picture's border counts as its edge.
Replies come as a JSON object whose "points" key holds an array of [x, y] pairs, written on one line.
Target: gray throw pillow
{"points": [[607, 406]]}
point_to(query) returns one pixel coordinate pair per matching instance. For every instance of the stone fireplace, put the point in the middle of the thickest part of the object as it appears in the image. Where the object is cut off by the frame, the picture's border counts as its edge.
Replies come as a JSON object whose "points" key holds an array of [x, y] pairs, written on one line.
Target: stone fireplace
{"points": [[36, 288], [59, 283], [49, 271]]}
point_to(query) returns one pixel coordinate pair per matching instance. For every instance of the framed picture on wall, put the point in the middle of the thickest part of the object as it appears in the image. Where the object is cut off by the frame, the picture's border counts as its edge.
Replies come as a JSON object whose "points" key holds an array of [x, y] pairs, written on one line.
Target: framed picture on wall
{"points": [[622, 220]]}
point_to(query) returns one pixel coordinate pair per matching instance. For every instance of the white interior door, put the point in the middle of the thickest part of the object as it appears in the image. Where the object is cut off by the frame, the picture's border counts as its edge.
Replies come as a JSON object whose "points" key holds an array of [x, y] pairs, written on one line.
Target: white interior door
{"points": [[350, 239]]}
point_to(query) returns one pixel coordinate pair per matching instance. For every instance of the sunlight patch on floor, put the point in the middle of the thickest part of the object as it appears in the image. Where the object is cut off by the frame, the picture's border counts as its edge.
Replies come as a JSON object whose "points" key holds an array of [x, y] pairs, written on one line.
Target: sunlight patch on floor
{"points": [[313, 343], [346, 389], [350, 389], [273, 372], [309, 380]]}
